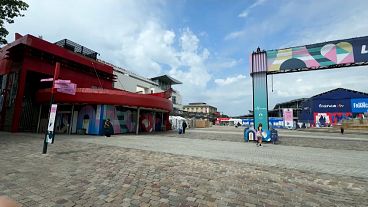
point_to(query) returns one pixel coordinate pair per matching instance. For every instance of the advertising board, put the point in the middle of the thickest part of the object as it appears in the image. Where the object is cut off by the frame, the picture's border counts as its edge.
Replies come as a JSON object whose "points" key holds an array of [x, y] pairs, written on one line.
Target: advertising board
{"points": [[288, 118], [359, 105], [318, 56]]}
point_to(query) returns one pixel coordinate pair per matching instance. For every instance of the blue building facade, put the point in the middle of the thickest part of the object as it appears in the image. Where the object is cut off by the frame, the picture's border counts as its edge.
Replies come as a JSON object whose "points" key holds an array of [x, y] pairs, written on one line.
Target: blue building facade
{"points": [[331, 107]]}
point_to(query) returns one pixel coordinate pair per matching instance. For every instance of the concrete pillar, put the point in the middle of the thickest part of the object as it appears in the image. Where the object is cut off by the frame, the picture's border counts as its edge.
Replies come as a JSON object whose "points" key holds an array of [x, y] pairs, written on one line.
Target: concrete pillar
{"points": [[39, 119], [71, 120], [137, 128], [260, 94], [154, 121], [162, 121], [19, 99]]}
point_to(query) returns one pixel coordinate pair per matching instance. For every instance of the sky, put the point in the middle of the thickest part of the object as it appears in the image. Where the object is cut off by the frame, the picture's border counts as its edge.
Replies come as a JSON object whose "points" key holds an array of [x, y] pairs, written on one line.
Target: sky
{"points": [[205, 43]]}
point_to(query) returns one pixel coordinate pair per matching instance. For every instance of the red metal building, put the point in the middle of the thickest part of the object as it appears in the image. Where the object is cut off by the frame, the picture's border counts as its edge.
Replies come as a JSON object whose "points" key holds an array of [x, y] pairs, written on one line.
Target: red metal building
{"points": [[25, 100]]}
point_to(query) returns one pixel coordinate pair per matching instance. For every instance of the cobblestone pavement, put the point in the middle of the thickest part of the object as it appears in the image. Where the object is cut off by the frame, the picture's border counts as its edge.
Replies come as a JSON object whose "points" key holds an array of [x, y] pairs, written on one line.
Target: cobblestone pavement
{"points": [[332, 161], [287, 137], [77, 173]]}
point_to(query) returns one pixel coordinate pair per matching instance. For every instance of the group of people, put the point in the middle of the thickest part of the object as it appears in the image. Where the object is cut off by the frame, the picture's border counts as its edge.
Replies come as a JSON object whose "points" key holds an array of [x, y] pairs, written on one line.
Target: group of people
{"points": [[109, 130]]}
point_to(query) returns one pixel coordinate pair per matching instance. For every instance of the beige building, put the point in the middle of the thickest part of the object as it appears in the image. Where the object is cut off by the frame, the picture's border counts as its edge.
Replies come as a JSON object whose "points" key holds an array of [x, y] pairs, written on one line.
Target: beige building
{"points": [[200, 108], [132, 82]]}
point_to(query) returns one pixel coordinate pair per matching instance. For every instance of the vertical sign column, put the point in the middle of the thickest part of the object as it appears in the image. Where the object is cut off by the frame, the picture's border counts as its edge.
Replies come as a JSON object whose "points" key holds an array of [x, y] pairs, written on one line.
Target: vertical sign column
{"points": [[50, 127], [260, 96]]}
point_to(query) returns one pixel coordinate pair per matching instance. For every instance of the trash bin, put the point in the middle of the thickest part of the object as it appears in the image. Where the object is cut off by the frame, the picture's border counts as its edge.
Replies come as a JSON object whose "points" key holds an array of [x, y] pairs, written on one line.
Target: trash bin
{"points": [[274, 136], [245, 136], [249, 134]]}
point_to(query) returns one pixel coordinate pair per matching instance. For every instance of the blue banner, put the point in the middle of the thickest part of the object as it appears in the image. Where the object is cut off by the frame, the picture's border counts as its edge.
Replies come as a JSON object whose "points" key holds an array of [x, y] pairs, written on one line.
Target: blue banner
{"points": [[359, 105], [260, 102], [331, 106]]}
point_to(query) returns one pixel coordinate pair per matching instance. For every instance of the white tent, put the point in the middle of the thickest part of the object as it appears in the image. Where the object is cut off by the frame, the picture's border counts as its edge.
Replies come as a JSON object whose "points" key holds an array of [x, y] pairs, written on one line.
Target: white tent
{"points": [[176, 122], [234, 122]]}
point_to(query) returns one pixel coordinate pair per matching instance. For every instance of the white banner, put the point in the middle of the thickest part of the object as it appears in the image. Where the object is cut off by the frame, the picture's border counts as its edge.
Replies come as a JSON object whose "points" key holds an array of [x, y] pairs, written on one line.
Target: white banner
{"points": [[50, 127], [52, 118]]}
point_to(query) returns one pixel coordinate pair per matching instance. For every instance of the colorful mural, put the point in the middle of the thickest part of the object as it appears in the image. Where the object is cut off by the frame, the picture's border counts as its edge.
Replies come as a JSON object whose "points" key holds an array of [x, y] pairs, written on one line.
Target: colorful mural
{"points": [[146, 122], [127, 119], [87, 120], [122, 119], [318, 55], [62, 122], [111, 113], [326, 119]]}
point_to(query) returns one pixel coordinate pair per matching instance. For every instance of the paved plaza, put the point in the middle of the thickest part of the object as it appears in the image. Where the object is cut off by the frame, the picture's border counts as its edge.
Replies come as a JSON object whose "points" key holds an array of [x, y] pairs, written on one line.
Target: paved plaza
{"points": [[204, 167]]}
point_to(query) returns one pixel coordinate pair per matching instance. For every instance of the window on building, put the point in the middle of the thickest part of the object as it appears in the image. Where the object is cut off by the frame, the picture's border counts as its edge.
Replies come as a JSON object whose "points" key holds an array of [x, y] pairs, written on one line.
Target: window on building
{"points": [[140, 89]]}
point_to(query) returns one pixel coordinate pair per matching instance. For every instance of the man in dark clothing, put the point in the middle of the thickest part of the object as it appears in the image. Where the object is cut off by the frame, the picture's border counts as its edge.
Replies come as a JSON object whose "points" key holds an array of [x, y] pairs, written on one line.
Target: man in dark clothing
{"points": [[184, 126]]}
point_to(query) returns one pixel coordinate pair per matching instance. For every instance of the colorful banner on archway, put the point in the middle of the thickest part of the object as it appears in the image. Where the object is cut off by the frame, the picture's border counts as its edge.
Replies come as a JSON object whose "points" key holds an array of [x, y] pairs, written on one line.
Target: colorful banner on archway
{"points": [[318, 56]]}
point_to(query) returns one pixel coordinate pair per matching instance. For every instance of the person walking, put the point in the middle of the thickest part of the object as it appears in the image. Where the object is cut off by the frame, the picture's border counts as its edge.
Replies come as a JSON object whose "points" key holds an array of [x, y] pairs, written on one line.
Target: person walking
{"points": [[108, 130], [259, 135], [184, 125]]}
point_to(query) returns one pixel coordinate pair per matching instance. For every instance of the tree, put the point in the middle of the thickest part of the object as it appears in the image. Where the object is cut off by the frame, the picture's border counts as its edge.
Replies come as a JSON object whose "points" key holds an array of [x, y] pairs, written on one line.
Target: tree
{"points": [[9, 9]]}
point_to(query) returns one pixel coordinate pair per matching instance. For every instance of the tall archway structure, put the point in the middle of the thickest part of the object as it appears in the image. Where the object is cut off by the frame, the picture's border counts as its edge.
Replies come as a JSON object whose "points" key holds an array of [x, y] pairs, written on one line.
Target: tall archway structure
{"points": [[328, 55]]}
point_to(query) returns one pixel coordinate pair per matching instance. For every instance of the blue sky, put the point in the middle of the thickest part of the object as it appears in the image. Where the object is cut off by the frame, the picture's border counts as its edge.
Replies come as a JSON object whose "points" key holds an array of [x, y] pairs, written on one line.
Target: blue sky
{"points": [[205, 43]]}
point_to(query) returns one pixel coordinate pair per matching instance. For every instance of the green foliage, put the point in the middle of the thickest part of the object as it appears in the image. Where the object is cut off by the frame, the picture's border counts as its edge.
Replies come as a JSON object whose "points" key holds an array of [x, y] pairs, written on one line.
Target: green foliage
{"points": [[9, 9]]}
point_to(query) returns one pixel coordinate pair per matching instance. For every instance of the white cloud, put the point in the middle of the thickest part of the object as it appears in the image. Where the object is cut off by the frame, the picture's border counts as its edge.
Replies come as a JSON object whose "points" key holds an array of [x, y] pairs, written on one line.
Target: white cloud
{"points": [[143, 52], [234, 35], [127, 33], [189, 42], [245, 12], [192, 70], [219, 63], [230, 80], [257, 3], [203, 34], [234, 98]]}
